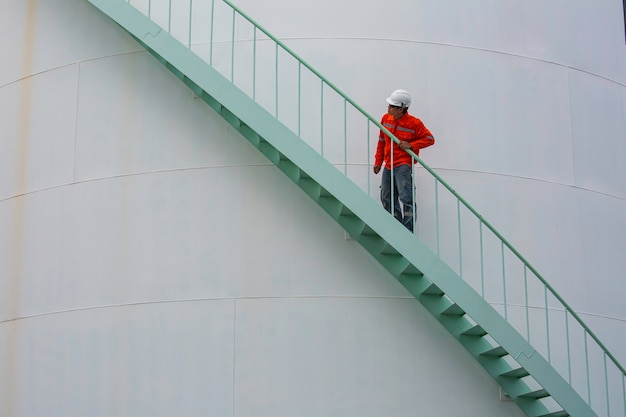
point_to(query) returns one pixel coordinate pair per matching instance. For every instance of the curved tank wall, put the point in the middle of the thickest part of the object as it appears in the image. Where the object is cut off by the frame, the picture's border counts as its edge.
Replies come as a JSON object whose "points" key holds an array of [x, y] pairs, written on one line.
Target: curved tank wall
{"points": [[527, 101], [153, 263]]}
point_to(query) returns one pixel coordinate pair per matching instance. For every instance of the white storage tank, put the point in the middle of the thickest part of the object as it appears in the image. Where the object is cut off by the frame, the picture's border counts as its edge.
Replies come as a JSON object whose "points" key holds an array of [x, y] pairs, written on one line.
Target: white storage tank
{"points": [[154, 263]]}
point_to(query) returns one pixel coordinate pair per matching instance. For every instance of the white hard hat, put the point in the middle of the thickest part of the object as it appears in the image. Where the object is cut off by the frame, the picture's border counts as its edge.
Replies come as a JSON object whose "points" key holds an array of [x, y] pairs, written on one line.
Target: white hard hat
{"points": [[400, 98]]}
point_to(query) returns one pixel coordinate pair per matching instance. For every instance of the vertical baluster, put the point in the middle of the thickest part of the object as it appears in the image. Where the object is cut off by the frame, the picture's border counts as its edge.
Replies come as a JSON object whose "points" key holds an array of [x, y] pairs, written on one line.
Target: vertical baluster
{"points": [[624, 391], [169, 18], [276, 55], [414, 195], [504, 281], [232, 50], [460, 237], [345, 137], [545, 292], [606, 385], [321, 117], [299, 98], [369, 175], [587, 367], [482, 258], [526, 303], [254, 64], [212, 31], [437, 214], [190, 15], [569, 356]]}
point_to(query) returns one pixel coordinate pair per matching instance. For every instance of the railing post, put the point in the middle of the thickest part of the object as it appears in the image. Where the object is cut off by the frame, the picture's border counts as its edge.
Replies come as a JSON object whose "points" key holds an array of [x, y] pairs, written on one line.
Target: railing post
{"points": [[232, 50], [190, 18], [504, 282], [460, 237], [545, 293]]}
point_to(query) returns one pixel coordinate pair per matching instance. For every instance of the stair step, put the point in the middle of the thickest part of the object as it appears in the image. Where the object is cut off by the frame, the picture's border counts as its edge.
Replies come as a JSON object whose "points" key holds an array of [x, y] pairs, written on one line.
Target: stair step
{"points": [[249, 133], [453, 310], [496, 351], [346, 212], [290, 169], [269, 151], [208, 99], [540, 393], [309, 186], [412, 270], [414, 283], [369, 231], [174, 70], [394, 263], [389, 250], [433, 290], [331, 205], [230, 117], [324, 193], [374, 244], [561, 413], [352, 224], [476, 331], [197, 90], [515, 373]]}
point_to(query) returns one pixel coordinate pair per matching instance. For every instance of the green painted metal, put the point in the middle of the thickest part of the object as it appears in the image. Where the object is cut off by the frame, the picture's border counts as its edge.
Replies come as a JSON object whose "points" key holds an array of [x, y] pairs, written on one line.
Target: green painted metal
{"points": [[492, 340]]}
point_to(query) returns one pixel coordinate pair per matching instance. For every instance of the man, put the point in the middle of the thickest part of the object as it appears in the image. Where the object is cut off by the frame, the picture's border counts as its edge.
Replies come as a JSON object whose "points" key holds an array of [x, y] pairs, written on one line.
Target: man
{"points": [[413, 135]]}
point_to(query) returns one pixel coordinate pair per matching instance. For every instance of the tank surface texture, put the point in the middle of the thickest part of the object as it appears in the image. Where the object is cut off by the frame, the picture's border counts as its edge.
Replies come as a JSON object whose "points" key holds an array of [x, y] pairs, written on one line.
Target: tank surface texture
{"points": [[154, 263]]}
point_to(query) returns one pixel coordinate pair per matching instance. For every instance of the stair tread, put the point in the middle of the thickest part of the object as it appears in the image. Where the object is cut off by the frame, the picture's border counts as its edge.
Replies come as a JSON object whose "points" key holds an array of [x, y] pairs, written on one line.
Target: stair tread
{"points": [[498, 351], [432, 289], [454, 310], [515, 373], [561, 413], [540, 393], [475, 331]]}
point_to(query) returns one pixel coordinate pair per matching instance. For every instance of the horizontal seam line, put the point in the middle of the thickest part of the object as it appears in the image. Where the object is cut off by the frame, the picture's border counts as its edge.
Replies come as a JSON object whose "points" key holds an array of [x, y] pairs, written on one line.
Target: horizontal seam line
{"points": [[475, 48], [69, 184], [35, 74], [187, 300]]}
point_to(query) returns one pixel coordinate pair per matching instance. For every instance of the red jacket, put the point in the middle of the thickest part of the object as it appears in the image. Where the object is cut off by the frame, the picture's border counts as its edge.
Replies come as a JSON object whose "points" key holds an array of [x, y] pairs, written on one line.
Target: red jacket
{"points": [[406, 128]]}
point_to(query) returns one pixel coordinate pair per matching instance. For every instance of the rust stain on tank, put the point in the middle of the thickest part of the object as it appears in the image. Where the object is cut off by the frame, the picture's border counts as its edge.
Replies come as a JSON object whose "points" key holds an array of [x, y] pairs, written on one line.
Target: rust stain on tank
{"points": [[10, 374]]}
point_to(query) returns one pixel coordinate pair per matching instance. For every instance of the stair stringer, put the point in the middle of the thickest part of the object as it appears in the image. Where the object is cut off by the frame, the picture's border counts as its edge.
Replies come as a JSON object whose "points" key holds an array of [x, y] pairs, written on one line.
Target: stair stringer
{"points": [[441, 290]]}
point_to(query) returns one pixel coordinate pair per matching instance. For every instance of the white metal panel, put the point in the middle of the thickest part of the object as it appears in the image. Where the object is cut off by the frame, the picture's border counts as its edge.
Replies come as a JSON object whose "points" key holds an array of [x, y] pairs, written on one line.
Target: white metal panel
{"points": [[38, 36], [599, 134], [212, 233], [603, 228], [160, 359], [354, 357], [163, 217], [575, 33], [38, 121], [135, 116]]}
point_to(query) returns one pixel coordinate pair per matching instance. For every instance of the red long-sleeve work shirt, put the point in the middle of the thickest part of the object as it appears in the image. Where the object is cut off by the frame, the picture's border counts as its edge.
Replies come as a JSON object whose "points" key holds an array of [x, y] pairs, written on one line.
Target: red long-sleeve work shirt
{"points": [[407, 128]]}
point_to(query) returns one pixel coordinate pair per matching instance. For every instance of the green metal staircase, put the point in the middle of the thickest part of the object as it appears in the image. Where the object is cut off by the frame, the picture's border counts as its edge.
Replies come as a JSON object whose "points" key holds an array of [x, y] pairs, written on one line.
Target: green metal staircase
{"points": [[524, 374]]}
